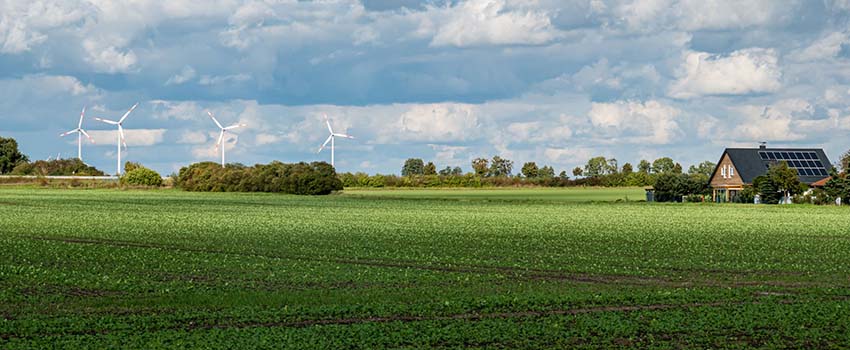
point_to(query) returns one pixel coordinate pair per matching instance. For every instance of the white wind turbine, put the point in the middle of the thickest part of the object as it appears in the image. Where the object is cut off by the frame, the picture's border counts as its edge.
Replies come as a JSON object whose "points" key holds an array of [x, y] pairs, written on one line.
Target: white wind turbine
{"points": [[331, 139], [80, 132], [221, 135], [121, 140]]}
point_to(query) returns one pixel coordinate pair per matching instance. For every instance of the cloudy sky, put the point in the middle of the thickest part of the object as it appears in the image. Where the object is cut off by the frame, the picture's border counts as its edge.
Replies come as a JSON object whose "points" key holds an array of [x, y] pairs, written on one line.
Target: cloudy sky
{"points": [[554, 81]]}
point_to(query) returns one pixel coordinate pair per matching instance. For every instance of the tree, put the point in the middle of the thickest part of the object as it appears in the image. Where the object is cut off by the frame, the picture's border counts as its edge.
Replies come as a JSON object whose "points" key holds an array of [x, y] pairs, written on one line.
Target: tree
{"points": [[595, 166], [446, 171], [530, 170], [768, 192], [627, 169], [577, 171], [457, 171], [844, 162], [612, 167], [644, 166], [480, 166], [413, 166], [546, 172], [785, 178], [677, 169], [10, 156], [663, 165], [705, 168], [563, 174], [430, 169], [500, 167]]}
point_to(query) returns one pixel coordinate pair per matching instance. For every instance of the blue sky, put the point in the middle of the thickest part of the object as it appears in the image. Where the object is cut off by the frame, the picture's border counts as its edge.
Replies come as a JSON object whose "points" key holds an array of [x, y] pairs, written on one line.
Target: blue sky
{"points": [[553, 81]]}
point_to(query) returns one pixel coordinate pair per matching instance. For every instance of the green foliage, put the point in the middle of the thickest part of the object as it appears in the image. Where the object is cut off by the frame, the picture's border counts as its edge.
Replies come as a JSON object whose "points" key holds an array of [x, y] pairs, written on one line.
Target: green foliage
{"points": [[768, 190], [784, 178], [547, 172], [644, 166], [530, 170], [577, 171], [413, 166], [844, 162], [838, 186], [430, 169], [57, 167], [317, 178], [10, 156], [705, 168], [500, 167], [627, 168], [480, 166], [137, 175], [595, 167], [663, 165], [673, 187]]}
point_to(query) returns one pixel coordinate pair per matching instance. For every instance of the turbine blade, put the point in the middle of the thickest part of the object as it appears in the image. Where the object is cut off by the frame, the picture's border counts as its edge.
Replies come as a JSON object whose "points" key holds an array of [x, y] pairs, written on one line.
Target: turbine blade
{"points": [[87, 135], [216, 121], [121, 134], [68, 133], [328, 122], [128, 113], [83, 113], [107, 121], [234, 126], [345, 136], [220, 138], [325, 144]]}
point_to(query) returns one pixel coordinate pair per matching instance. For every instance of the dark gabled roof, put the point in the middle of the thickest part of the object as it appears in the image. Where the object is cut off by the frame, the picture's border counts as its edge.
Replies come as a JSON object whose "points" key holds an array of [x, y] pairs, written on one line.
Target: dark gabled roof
{"points": [[750, 164]]}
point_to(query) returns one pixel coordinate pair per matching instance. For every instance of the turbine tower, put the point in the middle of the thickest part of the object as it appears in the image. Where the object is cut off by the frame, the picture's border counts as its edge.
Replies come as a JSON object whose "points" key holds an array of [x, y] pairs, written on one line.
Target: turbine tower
{"points": [[332, 138], [121, 140], [80, 132], [221, 135]]}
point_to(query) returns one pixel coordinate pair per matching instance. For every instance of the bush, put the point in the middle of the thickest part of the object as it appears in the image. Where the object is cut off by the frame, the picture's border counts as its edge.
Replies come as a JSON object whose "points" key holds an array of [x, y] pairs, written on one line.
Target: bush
{"points": [[317, 178], [141, 176], [58, 167]]}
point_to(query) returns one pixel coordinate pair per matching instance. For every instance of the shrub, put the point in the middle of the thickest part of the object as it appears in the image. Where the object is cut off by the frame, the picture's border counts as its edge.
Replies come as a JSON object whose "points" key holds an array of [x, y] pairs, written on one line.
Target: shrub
{"points": [[141, 176], [58, 167], [317, 178]]}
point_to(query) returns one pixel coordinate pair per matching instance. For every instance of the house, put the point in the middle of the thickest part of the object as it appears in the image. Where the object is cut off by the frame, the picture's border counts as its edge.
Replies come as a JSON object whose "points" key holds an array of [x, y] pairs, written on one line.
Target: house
{"points": [[739, 166]]}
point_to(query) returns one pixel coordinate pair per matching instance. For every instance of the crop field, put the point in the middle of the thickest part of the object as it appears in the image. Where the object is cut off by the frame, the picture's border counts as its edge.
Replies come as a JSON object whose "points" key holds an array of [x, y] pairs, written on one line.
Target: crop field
{"points": [[570, 194], [392, 269]]}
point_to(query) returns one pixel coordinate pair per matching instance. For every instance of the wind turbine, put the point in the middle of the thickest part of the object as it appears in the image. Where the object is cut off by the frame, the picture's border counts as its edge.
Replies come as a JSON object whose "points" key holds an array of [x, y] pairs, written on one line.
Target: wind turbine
{"points": [[331, 139], [121, 140], [80, 132], [221, 135]]}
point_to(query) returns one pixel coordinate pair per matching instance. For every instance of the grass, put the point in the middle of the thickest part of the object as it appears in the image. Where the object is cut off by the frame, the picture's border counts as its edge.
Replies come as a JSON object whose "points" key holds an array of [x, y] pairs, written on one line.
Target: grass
{"points": [[567, 195], [416, 269]]}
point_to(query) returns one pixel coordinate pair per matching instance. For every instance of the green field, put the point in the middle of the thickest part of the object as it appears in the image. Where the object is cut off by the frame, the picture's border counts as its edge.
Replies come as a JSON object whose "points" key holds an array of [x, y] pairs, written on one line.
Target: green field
{"points": [[417, 269], [566, 195]]}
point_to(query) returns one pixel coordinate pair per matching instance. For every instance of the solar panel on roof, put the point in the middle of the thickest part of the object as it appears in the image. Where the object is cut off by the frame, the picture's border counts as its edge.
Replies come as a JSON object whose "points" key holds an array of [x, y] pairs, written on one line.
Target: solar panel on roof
{"points": [[794, 155], [771, 155], [763, 155], [784, 155]]}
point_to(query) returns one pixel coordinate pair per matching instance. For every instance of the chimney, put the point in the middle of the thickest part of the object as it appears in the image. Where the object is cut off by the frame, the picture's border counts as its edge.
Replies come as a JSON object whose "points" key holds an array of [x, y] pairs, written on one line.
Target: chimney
{"points": [[763, 145]]}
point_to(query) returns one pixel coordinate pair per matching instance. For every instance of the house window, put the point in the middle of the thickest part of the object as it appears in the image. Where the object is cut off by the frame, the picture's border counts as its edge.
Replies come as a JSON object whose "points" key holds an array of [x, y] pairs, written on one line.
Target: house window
{"points": [[723, 172], [731, 171]]}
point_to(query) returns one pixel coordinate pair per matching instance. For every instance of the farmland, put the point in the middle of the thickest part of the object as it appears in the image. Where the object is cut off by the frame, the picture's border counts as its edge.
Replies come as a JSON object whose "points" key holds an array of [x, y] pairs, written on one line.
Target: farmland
{"points": [[411, 269]]}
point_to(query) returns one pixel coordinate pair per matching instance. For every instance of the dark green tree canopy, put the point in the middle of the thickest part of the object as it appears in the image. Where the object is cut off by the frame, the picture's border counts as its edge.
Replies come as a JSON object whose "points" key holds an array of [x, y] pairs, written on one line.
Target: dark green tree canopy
{"points": [[644, 166], [704, 168], [481, 166], [663, 165], [595, 166], [577, 171], [430, 169], [627, 169], [530, 170], [546, 172], [10, 156], [413, 166], [500, 167]]}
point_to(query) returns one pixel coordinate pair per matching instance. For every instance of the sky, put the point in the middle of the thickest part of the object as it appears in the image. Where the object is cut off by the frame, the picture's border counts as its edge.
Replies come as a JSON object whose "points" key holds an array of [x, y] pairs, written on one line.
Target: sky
{"points": [[551, 81]]}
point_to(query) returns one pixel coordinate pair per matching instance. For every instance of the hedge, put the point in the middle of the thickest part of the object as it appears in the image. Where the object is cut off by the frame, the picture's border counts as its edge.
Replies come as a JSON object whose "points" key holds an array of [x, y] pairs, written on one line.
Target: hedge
{"points": [[317, 178]]}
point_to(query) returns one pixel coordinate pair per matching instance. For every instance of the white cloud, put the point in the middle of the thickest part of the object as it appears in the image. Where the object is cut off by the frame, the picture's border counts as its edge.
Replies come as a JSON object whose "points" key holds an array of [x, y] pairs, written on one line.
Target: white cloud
{"points": [[635, 122], [824, 48], [443, 122], [265, 139], [223, 79], [728, 14], [742, 72], [193, 137], [772, 123], [180, 110], [450, 155], [489, 22], [106, 58], [574, 155], [23, 24], [186, 74], [133, 137]]}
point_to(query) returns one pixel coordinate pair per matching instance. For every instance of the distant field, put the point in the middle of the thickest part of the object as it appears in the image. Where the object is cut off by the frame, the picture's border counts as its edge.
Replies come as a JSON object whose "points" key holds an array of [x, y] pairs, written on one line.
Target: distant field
{"points": [[150, 269], [570, 194]]}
